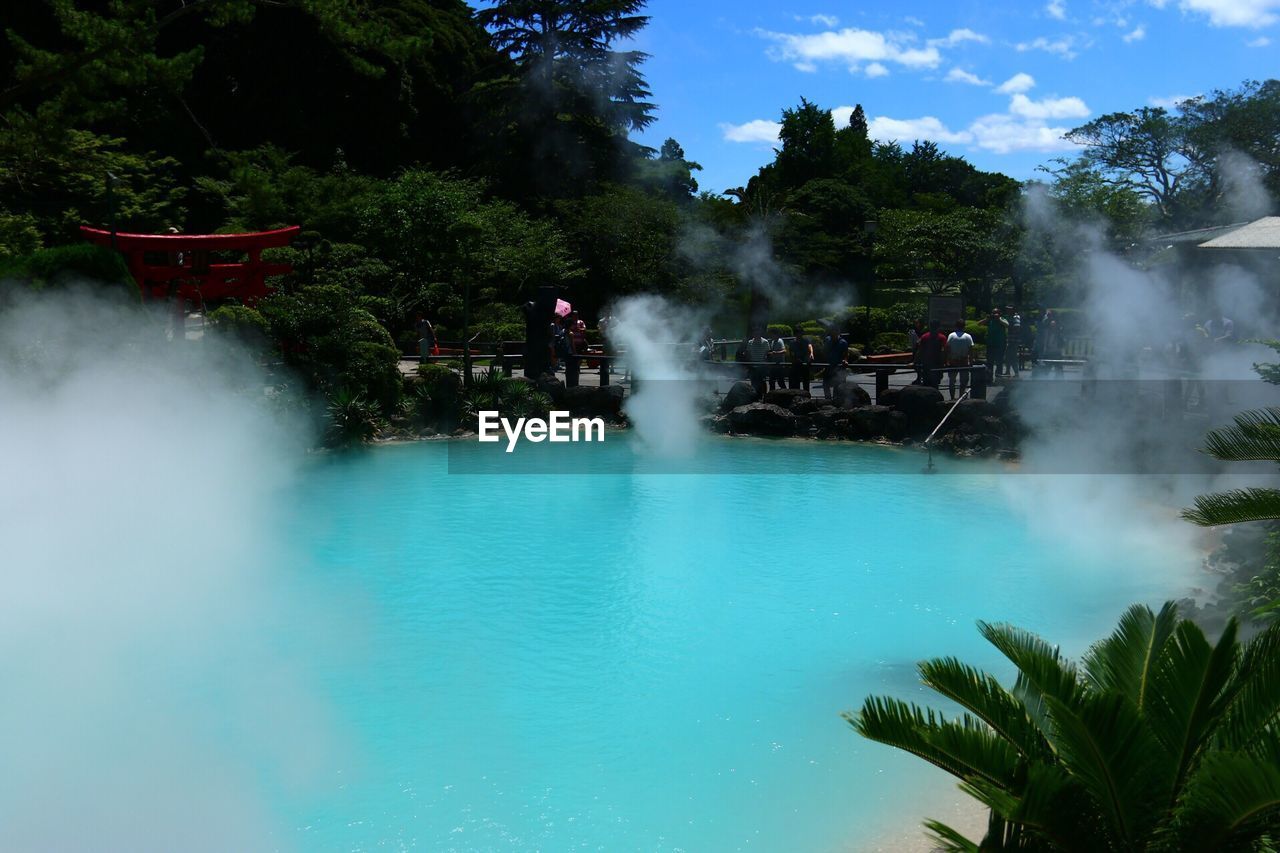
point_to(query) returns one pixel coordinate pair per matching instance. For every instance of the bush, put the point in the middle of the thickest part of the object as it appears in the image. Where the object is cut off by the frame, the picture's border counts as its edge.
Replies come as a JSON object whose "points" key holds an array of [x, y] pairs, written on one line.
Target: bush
{"points": [[775, 329], [863, 325], [241, 324], [352, 419], [68, 265], [887, 342], [979, 333]]}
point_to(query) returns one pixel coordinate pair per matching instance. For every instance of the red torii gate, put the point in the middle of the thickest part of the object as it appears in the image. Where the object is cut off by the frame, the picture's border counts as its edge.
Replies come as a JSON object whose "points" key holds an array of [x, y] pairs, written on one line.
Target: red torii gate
{"points": [[179, 265]]}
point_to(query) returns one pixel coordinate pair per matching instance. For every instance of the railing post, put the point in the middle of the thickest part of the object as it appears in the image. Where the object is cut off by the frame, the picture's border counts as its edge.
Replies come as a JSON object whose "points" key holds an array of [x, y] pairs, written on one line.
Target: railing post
{"points": [[978, 381], [604, 370], [882, 383]]}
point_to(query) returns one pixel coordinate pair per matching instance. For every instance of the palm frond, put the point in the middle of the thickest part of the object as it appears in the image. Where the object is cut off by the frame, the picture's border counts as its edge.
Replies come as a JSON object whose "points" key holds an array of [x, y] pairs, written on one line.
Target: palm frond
{"points": [[984, 697], [1255, 437], [1234, 507], [1102, 742], [1192, 684], [964, 749], [1125, 661], [948, 840], [1254, 707], [1229, 793], [1042, 671]]}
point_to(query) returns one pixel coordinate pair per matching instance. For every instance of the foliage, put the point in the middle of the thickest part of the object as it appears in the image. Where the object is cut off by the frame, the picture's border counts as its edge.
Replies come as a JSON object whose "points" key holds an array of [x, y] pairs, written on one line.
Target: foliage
{"points": [[241, 324], [75, 265], [513, 397], [351, 419], [775, 329], [885, 342], [1157, 740]]}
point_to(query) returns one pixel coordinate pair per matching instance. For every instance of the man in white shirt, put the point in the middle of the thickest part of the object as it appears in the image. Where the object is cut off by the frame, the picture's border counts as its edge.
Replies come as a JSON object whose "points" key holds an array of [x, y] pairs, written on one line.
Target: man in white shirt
{"points": [[959, 354]]}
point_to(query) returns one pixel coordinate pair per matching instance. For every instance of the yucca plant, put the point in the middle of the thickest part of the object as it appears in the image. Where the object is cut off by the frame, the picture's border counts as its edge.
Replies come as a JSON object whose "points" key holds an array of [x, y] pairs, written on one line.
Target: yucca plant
{"points": [[1158, 741], [352, 418], [514, 398]]}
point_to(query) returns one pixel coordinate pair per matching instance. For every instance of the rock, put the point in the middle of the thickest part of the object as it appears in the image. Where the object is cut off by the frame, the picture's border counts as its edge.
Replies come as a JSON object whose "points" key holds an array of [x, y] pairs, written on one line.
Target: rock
{"points": [[714, 423], [870, 422], [830, 422], [919, 403], [548, 384], [762, 419], [428, 432], [851, 395], [787, 398], [591, 401], [809, 405], [739, 394]]}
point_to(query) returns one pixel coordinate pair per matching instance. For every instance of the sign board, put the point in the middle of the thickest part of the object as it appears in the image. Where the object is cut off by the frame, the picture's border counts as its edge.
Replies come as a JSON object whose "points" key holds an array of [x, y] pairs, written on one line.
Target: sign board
{"points": [[946, 310]]}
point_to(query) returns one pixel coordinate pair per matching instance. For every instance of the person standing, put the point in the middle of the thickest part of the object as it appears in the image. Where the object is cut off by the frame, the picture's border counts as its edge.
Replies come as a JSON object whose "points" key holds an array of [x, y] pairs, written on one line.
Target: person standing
{"points": [[959, 355], [801, 361], [837, 349], [757, 350], [932, 349], [1013, 364], [913, 340], [778, 362], [997, 341], [427, 346]]}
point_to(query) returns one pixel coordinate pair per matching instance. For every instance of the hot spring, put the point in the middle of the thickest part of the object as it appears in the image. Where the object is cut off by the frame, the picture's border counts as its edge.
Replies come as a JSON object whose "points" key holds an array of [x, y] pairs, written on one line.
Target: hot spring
{"points": [[654, 661]]}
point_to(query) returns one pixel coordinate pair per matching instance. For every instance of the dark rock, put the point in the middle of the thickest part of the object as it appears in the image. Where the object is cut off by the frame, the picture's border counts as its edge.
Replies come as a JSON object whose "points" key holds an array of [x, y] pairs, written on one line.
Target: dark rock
{"points": [[830, 422], [739, 394], [920, 405], [851, 395], [869, 422], [590, 401], [551, 386], [762, 419], [809, 405], [787, 398], [428, 432], [715, 423]]}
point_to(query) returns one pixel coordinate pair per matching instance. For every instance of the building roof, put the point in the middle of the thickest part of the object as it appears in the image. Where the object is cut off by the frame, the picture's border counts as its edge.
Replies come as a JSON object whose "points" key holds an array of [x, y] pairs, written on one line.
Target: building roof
{"points": [[1263, 233], [1197, 237]]}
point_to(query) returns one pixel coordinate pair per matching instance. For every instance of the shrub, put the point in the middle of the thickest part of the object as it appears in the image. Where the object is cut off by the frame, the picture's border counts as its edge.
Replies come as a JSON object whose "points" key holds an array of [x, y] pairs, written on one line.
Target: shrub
{"points": [[241, 324], [69, 265], [979, 332], [901, 316], [352, 419], [775, 329], [887, 342]]}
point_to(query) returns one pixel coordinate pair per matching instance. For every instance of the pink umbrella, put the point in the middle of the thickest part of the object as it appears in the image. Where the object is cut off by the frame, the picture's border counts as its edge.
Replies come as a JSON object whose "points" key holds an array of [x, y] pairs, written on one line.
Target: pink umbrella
{"points": [[563, 308]]}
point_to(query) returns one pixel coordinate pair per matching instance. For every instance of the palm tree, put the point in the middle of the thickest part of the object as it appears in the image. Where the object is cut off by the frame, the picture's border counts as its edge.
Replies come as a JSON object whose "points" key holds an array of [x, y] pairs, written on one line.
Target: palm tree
{"points": [[1158, 741], [1255, 437]]}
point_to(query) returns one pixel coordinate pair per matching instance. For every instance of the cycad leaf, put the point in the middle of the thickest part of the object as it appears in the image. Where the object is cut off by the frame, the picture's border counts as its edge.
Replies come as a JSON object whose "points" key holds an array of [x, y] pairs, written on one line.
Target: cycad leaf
{"points": [[1230, 793], [1191, 685], [947, 839], [1255, 437], [1041, 669], [1102, 742], [1124, 662], [964, 749], [1254, 705], [984, 697], [1234, 507]]}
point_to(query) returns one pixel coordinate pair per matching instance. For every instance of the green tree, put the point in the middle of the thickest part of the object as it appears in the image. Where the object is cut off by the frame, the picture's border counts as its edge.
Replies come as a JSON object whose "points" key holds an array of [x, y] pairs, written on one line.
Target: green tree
{"points": [[1159, 740], [808, 138]]}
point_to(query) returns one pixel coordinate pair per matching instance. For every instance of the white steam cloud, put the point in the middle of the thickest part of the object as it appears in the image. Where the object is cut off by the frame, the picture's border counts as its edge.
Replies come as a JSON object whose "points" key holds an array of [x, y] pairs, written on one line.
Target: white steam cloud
{"points": [[149, 705]]}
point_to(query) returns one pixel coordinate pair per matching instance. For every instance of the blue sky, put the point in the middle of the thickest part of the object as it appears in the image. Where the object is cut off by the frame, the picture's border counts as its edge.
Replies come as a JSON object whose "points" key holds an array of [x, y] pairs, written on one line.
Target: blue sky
{"points": [[992, 80]]}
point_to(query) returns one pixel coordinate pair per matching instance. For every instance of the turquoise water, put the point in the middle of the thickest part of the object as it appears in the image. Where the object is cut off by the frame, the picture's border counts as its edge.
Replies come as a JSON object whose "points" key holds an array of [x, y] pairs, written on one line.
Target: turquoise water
{"points": [[656, 662]]}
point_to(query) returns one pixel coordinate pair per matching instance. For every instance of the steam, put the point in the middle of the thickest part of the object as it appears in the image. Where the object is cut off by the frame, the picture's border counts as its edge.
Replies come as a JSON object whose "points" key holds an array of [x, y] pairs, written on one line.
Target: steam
{"points": [[1245, 195], [664, 404], [148, 702], [1143, 466]]}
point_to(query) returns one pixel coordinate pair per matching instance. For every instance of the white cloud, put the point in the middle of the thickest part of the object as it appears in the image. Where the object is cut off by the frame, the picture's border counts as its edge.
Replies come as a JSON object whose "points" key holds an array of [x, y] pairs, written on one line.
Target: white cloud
{"points": [[1048, 108], [913, 21], [1020, 82], [875, 69], [1137, 34], [758, 131], [851, 47], [1233, 13], [887, 129], [959, 75], [1260, 41], [1003, 134], [827, 21], [1056, 9], [1064, 46], [960, 36], [1171, 102]]}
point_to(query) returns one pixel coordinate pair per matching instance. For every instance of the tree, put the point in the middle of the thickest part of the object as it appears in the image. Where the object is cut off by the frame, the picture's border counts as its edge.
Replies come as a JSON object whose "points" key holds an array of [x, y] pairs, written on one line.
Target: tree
{"points": [[947, 250], [669, 174], [564, 119], [808, 138], [1159, 740], [1255, 437]]}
